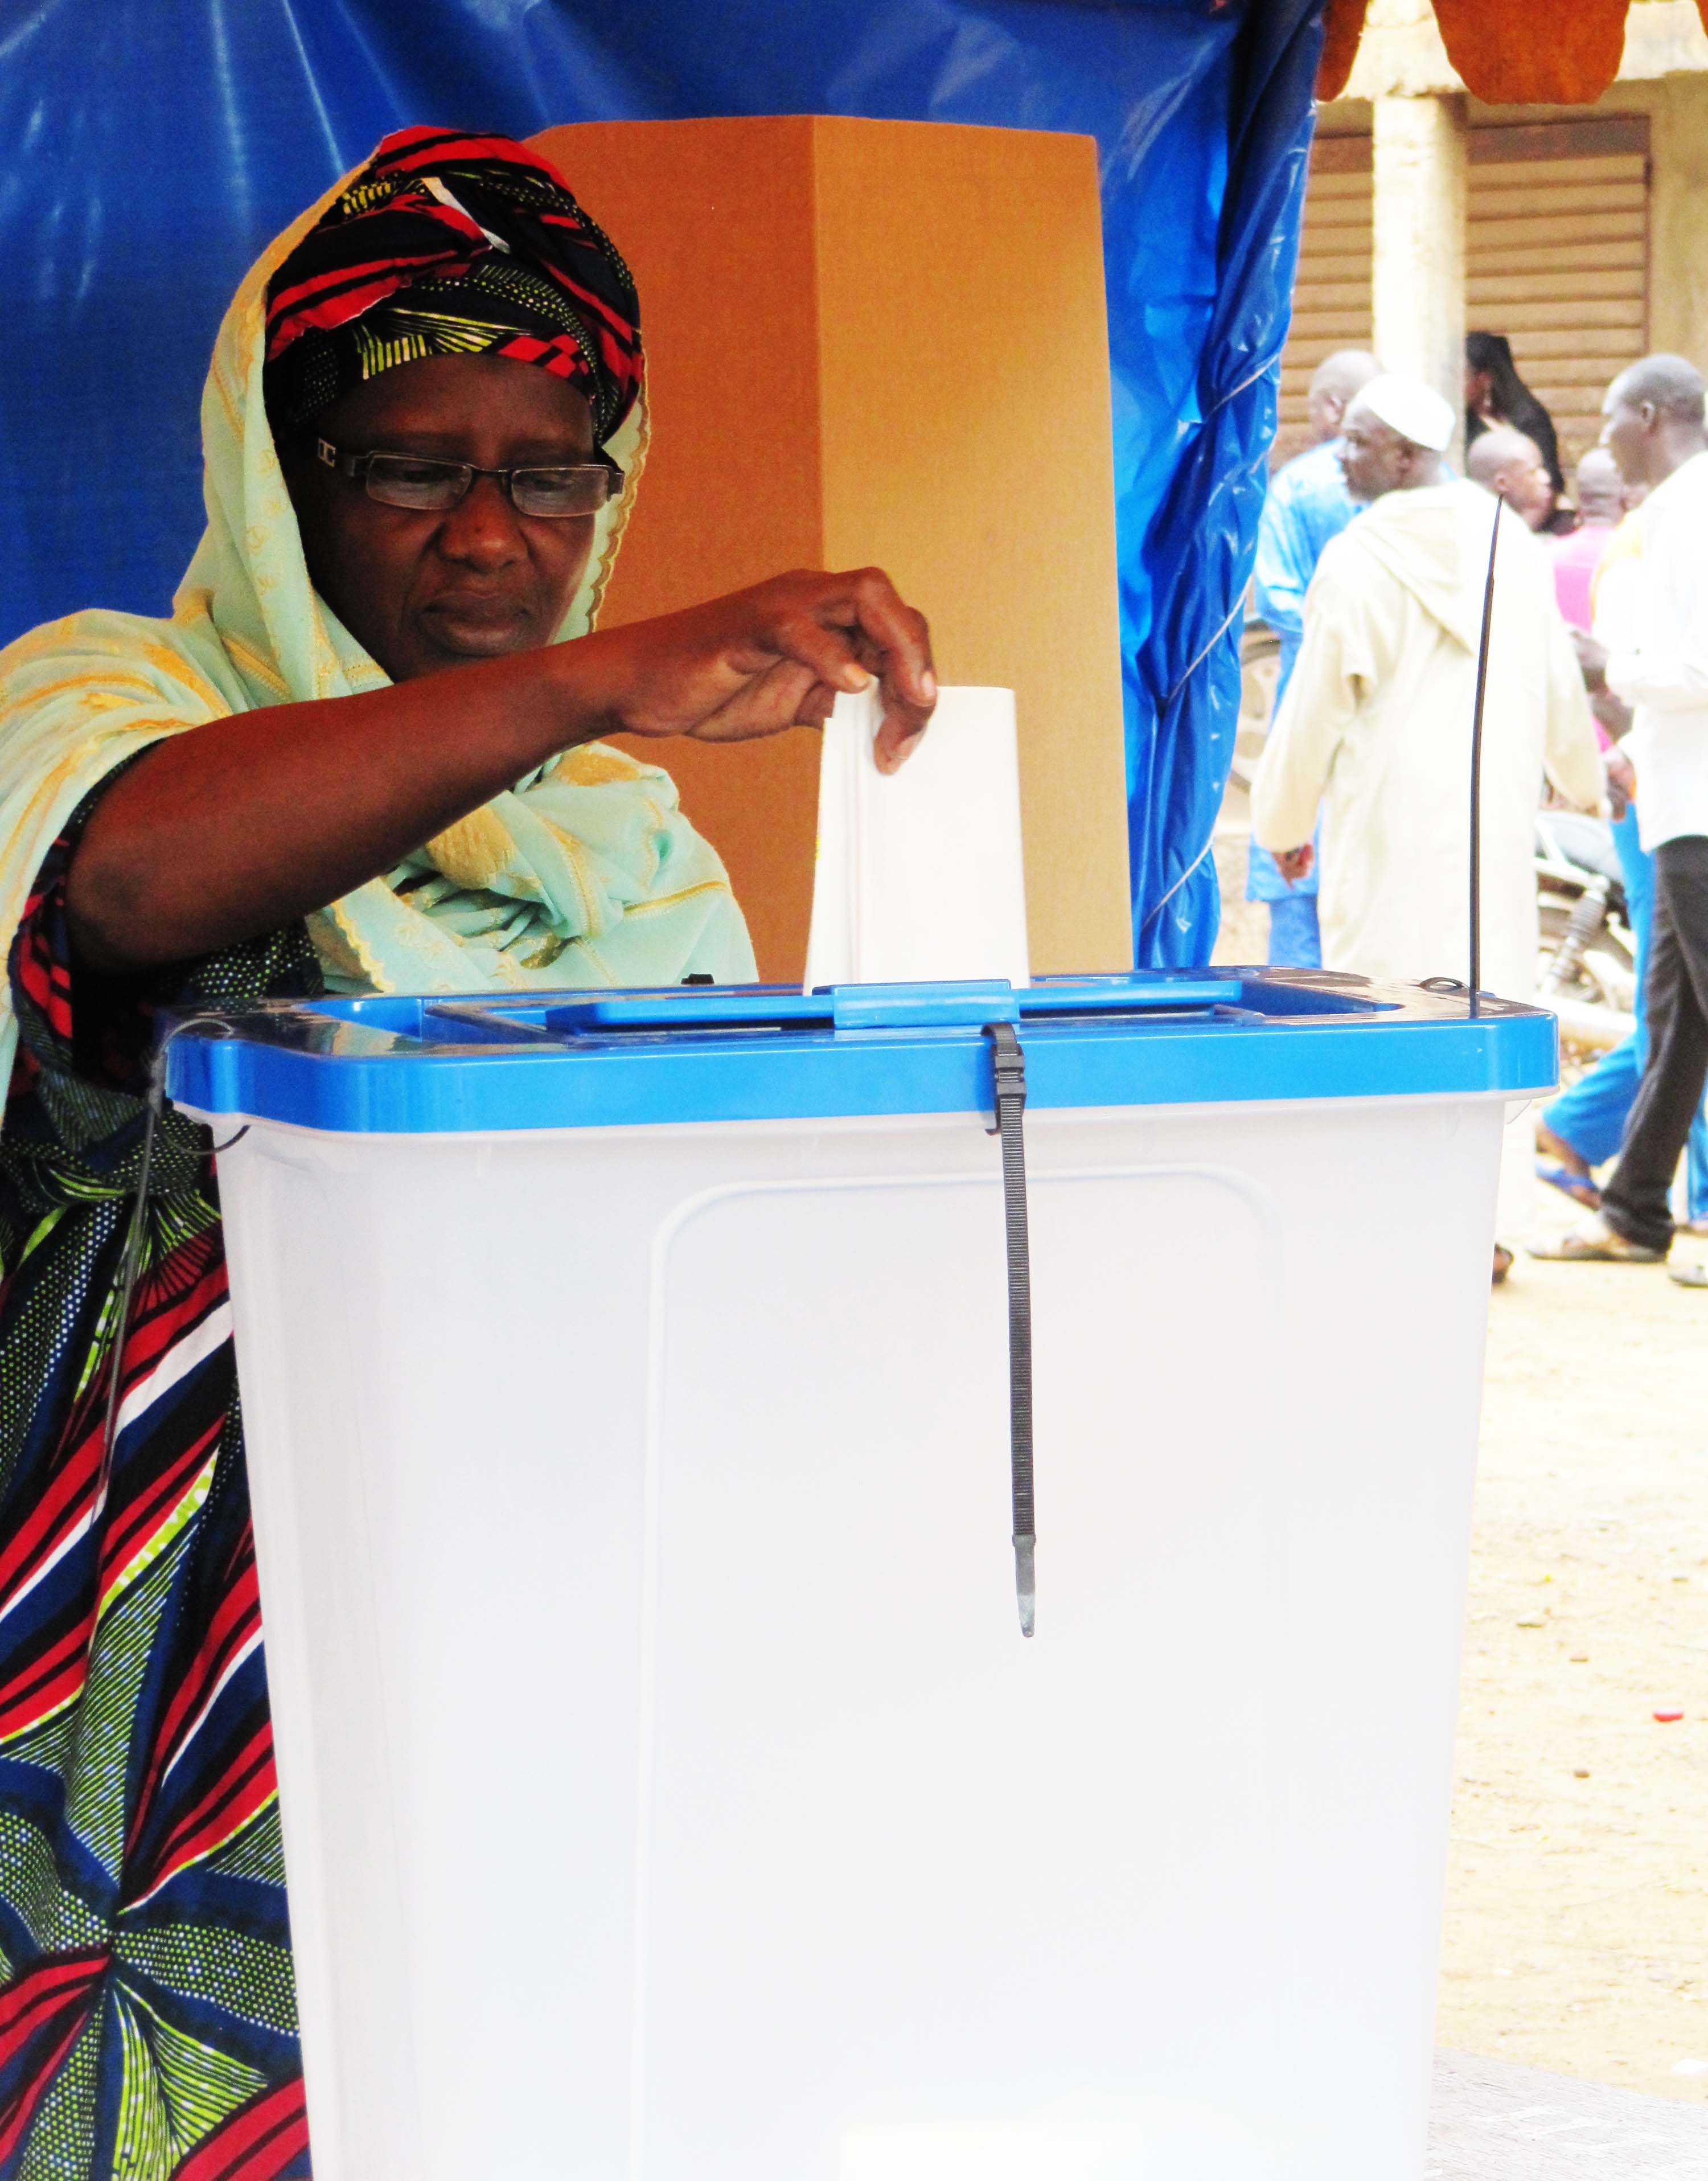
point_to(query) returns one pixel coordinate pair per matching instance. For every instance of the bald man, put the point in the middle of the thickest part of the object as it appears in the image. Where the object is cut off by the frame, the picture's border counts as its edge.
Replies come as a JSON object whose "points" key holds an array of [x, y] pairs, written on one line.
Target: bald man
{"points": [[1376, 727], [1307, 505], [1506, 461], [1653, 423], [1599, 491]]}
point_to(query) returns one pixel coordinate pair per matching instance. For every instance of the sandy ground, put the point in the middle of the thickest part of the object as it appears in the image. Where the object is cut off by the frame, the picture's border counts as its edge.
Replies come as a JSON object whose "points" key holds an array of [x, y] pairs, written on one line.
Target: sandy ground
{"points": [[1577, 1923], [1576, 1927]]}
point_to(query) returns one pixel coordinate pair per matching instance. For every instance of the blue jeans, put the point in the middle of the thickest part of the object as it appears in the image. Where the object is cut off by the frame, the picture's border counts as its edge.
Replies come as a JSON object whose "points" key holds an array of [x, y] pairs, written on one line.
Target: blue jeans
{"points": [[1295, 942], [1591, 1116]]}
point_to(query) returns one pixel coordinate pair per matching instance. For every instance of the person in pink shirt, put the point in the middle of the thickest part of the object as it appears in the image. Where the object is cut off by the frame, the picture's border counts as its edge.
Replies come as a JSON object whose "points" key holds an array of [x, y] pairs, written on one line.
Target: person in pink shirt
{"points": [[1601, 505]]}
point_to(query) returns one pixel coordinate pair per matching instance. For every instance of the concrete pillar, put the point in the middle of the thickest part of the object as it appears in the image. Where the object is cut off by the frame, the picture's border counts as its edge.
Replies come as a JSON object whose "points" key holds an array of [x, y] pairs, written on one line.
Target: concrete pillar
{"points": [[1419, 155], [1678, 107]]}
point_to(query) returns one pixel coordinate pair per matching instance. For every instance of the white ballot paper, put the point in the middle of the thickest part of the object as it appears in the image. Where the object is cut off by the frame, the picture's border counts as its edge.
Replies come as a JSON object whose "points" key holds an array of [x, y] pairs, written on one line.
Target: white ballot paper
{"points": [[919, 875]]}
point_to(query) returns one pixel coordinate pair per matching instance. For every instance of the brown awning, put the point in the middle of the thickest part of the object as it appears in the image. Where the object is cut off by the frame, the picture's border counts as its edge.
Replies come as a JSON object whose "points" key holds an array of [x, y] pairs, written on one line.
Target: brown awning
{"points": [[1510, 52]]}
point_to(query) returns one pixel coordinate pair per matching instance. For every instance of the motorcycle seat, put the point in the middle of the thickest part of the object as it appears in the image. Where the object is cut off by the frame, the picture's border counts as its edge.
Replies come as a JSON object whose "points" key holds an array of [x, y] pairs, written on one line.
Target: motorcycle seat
{"points": [[1586, 842]]}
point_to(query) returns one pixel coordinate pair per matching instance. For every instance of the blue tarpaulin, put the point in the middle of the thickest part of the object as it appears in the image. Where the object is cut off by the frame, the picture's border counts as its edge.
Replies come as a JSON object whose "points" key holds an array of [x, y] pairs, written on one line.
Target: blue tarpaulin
{"points": [[154, 146]]}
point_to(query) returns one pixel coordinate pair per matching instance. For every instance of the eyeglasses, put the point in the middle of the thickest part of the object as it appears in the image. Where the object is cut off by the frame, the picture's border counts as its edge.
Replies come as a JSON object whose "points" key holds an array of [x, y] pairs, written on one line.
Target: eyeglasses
{"points": [[417, 481]]}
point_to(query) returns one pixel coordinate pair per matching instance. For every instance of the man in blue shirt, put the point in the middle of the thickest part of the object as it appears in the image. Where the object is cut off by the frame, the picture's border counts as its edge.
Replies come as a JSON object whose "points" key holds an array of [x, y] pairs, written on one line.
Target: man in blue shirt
{"points": [[1307, 505]]}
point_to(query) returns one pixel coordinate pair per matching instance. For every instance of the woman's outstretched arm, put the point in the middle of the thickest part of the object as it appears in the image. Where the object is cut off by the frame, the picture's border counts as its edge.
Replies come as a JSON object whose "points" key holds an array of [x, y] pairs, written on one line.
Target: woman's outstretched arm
{"points": [[251, 822]]}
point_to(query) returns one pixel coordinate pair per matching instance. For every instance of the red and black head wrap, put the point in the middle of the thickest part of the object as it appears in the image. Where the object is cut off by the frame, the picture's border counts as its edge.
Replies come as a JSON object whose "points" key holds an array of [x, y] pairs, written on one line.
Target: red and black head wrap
{"points": [[448, 245]]}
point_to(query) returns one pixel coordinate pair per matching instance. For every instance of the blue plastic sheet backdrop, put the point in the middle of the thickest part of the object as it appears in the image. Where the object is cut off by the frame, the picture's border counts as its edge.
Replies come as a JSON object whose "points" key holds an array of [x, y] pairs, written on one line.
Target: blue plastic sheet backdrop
{"points": [[153, 147]]}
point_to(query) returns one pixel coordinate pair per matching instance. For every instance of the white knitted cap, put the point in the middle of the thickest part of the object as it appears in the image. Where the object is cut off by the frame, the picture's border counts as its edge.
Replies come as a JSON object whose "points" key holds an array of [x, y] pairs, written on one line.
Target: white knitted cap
{"points": [[1407, 406]]}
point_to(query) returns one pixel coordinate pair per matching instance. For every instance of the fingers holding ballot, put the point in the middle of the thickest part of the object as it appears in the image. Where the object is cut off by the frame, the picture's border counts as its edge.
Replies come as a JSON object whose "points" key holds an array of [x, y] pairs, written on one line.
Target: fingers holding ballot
{"points": [[777, 655]]}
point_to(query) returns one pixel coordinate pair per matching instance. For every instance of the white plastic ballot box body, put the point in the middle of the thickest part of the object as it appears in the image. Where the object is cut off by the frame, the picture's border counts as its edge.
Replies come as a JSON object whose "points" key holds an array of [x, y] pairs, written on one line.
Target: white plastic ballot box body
{"points": [[668, 1793]]}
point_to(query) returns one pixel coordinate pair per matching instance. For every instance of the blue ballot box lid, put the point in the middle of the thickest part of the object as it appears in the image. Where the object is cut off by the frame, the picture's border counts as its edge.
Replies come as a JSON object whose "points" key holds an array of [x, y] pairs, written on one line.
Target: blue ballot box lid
{"points": [[393, 1066]]}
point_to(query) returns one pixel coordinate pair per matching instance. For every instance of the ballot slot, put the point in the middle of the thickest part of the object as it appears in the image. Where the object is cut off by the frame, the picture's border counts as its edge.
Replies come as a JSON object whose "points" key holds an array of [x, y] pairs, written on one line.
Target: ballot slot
{"points": [[520, 1022], [769, 1011], [570, 1059], [381, 1024]]}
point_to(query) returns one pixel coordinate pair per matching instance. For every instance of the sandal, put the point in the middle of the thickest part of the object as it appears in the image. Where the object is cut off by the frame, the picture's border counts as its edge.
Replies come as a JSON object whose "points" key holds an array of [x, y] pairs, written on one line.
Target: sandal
{"points": [[1688, 1276], [1594, 1242], [1577, 1186]]}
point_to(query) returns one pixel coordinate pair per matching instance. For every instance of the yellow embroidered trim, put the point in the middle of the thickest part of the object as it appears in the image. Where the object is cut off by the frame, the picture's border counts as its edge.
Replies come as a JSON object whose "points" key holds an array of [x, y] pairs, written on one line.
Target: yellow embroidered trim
{"points": [[625, 507], [251, 662], [670, 900], [588, 953], [227, 395], [100, 678], [347, 932]]}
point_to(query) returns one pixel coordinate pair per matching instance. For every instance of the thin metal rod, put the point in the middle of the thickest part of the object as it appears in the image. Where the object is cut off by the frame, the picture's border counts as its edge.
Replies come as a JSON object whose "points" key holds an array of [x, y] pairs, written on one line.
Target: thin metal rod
{"points": [[1477, 766]]}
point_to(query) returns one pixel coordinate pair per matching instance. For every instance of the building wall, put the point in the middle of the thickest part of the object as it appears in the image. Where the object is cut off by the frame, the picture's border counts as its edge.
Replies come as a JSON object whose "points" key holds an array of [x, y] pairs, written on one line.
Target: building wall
{"points": [[1679, 192], [1664, 74], [1676, 107], [1677, 110]]}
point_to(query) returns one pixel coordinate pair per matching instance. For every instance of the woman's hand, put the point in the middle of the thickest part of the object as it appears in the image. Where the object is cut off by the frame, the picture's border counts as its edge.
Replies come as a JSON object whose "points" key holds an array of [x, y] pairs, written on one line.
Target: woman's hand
{"points": [[776, 656]]}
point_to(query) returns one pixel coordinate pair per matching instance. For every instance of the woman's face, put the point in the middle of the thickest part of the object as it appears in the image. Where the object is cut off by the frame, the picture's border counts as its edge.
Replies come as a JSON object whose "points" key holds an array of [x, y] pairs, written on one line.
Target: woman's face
{"points": [[1479, 385], [422, 591]]}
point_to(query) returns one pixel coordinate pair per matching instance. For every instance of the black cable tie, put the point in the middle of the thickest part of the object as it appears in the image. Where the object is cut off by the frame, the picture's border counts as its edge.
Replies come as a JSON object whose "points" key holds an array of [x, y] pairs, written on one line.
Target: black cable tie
{"points": [[1009, 1066]]}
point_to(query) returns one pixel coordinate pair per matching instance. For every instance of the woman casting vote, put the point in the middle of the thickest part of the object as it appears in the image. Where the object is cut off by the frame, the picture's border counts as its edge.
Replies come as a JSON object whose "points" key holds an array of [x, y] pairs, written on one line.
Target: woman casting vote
{"points": [[359, 757]]}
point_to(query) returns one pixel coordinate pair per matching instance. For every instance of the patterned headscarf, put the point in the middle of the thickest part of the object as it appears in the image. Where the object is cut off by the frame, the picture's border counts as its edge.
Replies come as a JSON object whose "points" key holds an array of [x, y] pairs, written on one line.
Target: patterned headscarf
{"points": [[448, 245]]}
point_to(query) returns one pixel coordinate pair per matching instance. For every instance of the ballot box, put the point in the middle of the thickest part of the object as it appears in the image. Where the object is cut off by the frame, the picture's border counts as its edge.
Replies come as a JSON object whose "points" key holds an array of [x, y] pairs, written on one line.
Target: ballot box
{"points": [[668, 1791]]}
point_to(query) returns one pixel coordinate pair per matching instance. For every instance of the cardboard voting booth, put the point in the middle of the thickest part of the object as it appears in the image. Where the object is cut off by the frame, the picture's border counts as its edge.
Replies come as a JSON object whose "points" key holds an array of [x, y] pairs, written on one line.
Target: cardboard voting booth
{"points": [[881, 342]]}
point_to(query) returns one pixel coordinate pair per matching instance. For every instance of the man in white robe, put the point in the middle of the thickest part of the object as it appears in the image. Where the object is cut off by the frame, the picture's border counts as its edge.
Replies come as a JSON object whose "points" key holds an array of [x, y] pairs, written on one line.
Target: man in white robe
{"points": [[1376, 726]]}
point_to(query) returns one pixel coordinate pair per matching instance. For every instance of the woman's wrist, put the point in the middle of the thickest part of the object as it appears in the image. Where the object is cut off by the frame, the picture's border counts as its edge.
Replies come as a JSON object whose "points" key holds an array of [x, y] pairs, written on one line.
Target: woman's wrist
{"points": [[587, 687]]}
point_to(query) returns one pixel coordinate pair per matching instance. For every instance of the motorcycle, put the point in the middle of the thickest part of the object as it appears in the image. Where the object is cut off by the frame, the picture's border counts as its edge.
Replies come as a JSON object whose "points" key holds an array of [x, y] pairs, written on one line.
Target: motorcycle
{"points": [[1587, 971]]}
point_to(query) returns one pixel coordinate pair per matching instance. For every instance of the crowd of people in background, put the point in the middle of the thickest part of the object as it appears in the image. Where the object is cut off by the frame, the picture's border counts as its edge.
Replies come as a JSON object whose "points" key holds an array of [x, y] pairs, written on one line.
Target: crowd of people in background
{"points": [[1372, 556]]}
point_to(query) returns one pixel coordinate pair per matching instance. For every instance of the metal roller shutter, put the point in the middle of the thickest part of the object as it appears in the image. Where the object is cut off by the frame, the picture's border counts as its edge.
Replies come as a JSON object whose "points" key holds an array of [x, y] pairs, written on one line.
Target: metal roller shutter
{"points": [[1557, 257], [1331, 295]]}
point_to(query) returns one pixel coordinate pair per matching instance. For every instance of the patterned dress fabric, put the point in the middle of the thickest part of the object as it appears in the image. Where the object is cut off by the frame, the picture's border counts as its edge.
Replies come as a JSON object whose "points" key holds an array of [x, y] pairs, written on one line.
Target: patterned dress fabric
{"points": [[148, 2018], [448, 245]]}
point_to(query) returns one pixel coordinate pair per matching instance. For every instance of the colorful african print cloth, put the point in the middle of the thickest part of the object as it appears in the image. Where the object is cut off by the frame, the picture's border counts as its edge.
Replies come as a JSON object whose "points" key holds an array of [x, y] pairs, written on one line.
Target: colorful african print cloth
{"points": [[448, 245], [148, 2017]]}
